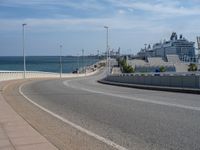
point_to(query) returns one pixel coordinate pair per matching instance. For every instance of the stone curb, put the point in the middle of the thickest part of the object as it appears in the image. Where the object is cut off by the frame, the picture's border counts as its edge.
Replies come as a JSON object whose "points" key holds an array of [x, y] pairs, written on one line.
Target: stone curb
{"points": [[148, 87]]}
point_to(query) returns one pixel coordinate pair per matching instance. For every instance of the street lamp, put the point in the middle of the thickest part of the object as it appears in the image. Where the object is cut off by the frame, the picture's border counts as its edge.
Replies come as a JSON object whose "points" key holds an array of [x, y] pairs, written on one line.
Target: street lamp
{"points": [[83, 61], [60, 61], [108, 52], [98, 54], [23, 36], [77, 63]]}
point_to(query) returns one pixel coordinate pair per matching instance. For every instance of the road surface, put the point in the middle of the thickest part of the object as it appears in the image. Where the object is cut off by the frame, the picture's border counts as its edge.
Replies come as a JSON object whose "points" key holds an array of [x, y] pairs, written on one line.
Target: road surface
{"points": [[132, 118]]}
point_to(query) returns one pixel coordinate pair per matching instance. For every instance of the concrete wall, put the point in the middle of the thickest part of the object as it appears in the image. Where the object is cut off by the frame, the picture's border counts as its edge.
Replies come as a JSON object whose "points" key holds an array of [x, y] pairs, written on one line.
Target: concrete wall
{"points": [[154, 68], [181, 81], [12, 75]]}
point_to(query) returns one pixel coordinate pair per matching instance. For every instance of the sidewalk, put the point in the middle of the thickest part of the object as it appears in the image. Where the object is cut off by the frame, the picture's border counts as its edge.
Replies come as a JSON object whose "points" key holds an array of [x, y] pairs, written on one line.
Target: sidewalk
{"points": [[17, 134]]}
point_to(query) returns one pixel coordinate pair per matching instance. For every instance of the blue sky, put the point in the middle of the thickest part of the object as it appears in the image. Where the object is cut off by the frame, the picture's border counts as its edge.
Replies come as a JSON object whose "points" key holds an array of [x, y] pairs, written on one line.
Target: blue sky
{"points": [[78, 24]]}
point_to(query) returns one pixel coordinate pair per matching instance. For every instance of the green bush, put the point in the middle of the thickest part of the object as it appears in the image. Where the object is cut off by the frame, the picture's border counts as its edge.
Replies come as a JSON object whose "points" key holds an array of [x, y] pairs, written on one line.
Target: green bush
{"points": [[162, 69], [192, 67], [102, 64], [125, 67]]}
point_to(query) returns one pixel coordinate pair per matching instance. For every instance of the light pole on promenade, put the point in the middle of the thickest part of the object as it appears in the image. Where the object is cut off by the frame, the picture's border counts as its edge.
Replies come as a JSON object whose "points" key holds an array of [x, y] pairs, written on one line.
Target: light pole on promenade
{"points": [[23, 45], [77, 63], [98, 54], [108, 52], [60, 61], [83, 60]]}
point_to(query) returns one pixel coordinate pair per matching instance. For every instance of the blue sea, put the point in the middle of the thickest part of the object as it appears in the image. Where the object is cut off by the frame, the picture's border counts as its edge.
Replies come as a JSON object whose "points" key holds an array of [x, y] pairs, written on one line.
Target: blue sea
{"points": [[46, 63]]}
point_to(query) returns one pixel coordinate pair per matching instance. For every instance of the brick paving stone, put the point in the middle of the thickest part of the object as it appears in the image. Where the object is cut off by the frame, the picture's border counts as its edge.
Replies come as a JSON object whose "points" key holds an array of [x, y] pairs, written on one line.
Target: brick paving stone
{"points": [[43, 146], [16, 133], [8, 148], [4, 143]]}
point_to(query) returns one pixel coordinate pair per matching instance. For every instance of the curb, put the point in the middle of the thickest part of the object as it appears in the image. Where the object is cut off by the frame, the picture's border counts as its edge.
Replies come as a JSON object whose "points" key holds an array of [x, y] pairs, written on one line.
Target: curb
{"points": [[148, 87]]}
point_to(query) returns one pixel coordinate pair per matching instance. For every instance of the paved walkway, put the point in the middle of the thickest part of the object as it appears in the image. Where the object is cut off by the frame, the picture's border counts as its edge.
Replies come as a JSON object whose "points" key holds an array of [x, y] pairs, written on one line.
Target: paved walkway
{"points": [[16, 133]]}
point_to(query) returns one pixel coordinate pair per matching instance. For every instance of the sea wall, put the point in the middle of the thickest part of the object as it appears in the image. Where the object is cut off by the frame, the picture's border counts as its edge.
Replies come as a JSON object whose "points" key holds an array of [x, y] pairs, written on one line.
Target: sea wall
{"points": [[167, 80], [12, 75]]}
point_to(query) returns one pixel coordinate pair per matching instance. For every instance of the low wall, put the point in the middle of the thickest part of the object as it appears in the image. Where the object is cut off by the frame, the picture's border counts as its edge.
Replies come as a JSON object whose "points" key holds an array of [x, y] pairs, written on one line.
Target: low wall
{"points": [[181, 81], [12, 75]]}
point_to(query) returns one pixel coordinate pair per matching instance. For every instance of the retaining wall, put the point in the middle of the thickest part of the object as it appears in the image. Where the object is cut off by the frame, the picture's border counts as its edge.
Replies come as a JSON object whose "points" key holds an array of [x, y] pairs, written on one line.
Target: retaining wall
{"points": [[181, 81]]}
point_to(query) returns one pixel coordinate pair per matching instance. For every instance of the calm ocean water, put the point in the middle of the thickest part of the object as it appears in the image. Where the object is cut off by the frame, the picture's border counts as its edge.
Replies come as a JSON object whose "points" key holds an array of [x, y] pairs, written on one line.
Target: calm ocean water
{"points": [[46, 63]]}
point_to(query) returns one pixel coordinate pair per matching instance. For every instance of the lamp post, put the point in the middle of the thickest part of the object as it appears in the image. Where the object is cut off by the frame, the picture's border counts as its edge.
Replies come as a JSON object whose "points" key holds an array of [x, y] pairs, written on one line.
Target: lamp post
{"points": [[83, 60], [23, 36], [77, 63], [60, 61], [108, 52], [98, 54]]}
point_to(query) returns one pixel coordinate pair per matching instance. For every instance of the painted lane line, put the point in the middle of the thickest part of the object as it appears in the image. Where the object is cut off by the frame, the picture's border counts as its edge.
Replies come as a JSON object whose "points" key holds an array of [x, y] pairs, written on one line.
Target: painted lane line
{"points": [[67, 83], [89, 133]]}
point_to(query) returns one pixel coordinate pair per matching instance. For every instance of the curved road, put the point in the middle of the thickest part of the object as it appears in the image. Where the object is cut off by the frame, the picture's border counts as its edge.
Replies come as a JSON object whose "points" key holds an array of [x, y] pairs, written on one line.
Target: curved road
{"points": [[132, 118]]}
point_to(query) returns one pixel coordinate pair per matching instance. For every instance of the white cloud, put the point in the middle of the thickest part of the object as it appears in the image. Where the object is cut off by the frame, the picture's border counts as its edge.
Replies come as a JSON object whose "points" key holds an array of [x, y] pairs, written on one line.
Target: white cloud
{"points": [[124, 16], [53, 4], [143, 20], [159, 7], [121, 11], [79, 23]]}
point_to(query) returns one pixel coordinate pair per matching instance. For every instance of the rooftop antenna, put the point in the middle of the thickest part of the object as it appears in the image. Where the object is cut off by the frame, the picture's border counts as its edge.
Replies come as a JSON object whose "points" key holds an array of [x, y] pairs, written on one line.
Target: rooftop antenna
{"points": [[198, 45], [145, 46], [198, 41]]}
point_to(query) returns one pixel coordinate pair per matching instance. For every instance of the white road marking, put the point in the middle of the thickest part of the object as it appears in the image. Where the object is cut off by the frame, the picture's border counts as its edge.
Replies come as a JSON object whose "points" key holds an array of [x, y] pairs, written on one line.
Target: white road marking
{"points": [[131, 98], [102, 139]]}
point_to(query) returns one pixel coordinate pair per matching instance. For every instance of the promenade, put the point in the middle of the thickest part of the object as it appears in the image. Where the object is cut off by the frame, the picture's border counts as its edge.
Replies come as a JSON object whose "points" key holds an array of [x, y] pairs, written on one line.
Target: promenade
{"points": [[13, 75], [16, 133]]}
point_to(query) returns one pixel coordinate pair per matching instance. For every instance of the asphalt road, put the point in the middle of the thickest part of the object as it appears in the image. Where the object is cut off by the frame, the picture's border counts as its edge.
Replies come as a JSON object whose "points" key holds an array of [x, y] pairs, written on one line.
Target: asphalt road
{"points": [[133, 118]]}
